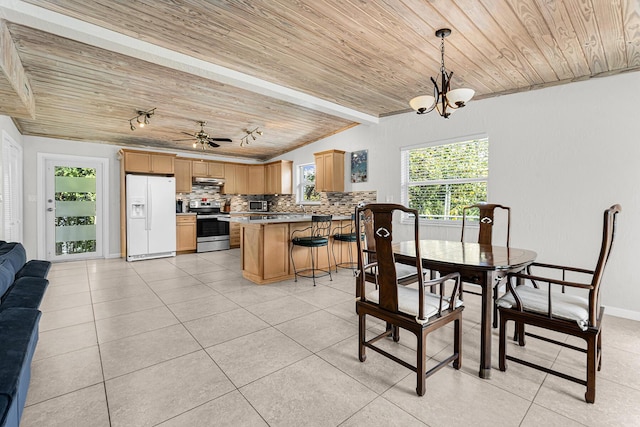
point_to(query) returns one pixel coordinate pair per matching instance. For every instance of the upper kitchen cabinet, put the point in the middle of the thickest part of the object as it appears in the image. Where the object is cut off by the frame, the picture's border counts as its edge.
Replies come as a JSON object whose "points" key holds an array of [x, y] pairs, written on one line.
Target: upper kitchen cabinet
{"points": [[256, 176], [236, 178], [330, 170], [148, 162], [183, 175], [206, 169], [279, 177]]}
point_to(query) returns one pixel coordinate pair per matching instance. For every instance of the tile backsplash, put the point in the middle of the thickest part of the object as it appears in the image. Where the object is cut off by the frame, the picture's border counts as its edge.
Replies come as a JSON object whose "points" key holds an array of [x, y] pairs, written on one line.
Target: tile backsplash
{"points": [[330, 203]]}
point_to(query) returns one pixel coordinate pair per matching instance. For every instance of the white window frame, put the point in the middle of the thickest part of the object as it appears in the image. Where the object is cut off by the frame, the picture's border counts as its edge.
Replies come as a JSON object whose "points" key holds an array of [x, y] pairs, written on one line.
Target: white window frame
{"points": [[405, 184], [301, 185]]}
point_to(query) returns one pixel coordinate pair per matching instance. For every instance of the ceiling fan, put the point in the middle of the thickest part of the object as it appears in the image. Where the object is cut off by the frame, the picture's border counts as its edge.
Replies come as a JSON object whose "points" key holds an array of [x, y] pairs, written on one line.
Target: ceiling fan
{"points": [[203, 138]]}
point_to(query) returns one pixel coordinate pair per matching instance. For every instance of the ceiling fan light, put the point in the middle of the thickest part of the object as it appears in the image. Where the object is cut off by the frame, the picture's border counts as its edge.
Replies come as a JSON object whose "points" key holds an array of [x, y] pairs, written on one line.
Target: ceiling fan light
{"points": [[422, 104], [259, 132], [132, 126], [458, 98]]}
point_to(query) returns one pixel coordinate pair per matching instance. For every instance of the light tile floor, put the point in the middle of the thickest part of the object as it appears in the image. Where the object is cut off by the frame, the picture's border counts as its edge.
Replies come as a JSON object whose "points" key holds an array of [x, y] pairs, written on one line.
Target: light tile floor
{"points": [[186, 341]]}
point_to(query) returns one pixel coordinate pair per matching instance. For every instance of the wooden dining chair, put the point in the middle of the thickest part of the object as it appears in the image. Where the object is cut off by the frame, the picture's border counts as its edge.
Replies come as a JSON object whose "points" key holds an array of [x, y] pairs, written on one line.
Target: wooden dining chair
{"points": [[412, 308], [406, 274], [486, 213], [579, 315]]}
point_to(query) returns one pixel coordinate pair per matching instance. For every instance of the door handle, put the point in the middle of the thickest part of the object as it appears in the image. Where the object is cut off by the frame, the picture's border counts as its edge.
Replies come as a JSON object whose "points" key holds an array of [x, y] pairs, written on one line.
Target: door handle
{"points": [[49, 209]]}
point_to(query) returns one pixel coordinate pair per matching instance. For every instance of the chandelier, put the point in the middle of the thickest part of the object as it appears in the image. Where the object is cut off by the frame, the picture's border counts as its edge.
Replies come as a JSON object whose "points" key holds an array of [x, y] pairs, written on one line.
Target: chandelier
{"points": [[445, 100]]}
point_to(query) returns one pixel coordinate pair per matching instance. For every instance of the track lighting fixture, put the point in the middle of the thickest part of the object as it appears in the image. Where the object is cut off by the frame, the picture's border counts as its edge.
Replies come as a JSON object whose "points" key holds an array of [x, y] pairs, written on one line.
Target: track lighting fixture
{"points": [[250, 133], [142, 118]]}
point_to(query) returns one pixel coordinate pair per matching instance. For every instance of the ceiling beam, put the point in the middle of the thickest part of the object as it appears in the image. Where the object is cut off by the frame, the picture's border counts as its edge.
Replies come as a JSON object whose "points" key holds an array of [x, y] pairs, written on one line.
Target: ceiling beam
{"points": [[15, 90], [42, 19]]}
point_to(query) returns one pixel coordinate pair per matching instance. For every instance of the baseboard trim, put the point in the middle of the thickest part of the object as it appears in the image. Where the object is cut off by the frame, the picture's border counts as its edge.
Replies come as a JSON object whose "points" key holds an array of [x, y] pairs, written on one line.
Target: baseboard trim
{"points": [[621, 312]]}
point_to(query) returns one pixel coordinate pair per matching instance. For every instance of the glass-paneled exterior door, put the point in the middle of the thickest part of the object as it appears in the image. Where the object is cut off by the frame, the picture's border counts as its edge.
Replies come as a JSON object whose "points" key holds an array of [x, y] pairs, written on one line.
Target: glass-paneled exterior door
{"points": [[73, 207]]}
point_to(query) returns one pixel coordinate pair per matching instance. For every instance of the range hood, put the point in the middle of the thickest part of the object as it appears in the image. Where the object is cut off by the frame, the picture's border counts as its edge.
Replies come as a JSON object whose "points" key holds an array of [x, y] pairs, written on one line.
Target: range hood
{"points": [[199, 180]]}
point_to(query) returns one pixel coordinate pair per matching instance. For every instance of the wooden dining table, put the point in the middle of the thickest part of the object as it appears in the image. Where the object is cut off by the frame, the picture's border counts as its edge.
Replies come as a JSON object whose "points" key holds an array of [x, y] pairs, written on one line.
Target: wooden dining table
{"points": [[476, 263]]}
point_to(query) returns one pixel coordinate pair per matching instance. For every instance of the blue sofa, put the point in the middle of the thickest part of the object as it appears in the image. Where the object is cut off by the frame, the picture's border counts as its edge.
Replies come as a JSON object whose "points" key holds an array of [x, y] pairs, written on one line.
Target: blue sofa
{"points": [[22, 287]]}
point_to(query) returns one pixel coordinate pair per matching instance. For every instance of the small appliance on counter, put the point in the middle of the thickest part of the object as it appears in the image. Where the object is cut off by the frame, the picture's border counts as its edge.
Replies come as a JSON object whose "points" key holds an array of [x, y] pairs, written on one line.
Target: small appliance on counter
{"points": [[179, 206], [258, 205]]}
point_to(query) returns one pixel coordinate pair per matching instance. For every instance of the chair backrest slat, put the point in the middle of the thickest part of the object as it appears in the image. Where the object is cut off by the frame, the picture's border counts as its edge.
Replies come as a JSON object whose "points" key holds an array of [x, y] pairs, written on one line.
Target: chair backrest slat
{"points": [[486, 221], [608, 234], [377, 221]]}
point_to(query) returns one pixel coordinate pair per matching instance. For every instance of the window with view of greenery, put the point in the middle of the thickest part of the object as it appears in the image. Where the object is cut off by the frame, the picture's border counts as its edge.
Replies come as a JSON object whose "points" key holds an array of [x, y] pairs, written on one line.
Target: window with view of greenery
{"points": [[307, 187], [440, 180]]}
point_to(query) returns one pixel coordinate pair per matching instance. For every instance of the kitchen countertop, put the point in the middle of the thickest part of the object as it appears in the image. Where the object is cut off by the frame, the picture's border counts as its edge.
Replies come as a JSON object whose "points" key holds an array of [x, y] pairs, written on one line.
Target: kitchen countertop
{"points": [[186, 213], [279, 218]]}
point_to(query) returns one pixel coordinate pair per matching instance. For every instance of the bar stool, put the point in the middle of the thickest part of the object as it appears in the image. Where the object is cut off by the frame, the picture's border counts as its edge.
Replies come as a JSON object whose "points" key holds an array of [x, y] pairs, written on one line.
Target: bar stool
{"points": [[345, 234], [319, 233]]}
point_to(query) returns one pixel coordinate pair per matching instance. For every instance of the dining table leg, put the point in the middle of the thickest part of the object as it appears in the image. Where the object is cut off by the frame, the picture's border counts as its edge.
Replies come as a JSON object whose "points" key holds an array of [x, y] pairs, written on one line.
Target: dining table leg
{"points": [[485, 326]]}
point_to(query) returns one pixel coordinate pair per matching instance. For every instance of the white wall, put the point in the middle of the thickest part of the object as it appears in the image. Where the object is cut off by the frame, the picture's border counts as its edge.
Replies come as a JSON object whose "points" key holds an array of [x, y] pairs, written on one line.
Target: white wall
{"points": [[6, 125], [34, 145], [558, 156]]}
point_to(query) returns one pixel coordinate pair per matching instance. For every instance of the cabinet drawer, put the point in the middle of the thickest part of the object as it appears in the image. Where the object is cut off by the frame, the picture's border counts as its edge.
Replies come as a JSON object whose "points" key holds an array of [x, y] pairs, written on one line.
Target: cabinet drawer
{"points": [[182, 219]]}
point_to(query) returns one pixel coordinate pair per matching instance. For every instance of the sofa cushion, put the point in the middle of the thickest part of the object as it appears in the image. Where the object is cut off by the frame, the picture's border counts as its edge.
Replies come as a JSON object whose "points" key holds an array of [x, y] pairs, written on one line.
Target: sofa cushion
{"points": [[14, 253], [18, 336], [27, 292], [34, 268], [6, 278], [8, 411]]}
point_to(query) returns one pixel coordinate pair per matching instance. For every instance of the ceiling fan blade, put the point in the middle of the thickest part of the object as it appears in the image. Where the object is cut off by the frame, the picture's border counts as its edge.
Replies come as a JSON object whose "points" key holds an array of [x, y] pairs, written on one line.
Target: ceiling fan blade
{"points": [[180, 140], [187, 133], [220, 139], [213, 144]]}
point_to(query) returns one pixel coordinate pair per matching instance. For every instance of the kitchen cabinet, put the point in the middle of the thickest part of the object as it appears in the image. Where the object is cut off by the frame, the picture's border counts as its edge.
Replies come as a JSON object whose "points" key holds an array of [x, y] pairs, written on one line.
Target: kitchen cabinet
{"points": [[329, 170], [183, 175], [234, 235], [148, 162], [185, 233], [279, 177], [236, 178], [256, 180], [265, 252], [207, 169], [229, 179]]}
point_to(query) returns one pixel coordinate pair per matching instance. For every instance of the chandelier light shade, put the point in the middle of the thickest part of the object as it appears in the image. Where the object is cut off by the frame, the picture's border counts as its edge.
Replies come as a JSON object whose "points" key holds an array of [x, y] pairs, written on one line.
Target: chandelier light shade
{"points": [[444, 99]]}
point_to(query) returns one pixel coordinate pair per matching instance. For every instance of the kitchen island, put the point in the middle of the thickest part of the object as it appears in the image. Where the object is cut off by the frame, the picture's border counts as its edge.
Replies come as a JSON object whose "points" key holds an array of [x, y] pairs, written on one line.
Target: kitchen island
{"points": [[265, 245]]}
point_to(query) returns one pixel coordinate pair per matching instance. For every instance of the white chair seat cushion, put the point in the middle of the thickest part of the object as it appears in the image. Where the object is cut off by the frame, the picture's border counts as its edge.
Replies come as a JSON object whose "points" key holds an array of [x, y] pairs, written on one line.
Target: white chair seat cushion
{"points": [[564, 306], [403, 271], [408, 298]]}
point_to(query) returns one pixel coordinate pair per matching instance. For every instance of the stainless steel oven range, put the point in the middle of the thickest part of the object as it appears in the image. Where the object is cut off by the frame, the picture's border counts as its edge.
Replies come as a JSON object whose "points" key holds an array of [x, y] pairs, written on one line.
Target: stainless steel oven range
{"points": [[212, 233]]}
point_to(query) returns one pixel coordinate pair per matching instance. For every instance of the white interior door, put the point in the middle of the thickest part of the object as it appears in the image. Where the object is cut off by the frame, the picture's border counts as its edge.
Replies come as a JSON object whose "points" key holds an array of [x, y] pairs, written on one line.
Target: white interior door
{"points": [[74, 203]]}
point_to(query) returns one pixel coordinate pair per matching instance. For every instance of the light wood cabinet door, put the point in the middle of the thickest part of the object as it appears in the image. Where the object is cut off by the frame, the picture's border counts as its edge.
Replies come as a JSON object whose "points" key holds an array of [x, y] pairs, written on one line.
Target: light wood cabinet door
{"points": [[137, 162], [183, 175], [229, 179], [186, 233], [234, 235], [162, 164], [330, 171], [215, 169], [200, 168], [279, 177], [147, 162], [204, 169], [242, 179], [256, 179], [276, 251]]}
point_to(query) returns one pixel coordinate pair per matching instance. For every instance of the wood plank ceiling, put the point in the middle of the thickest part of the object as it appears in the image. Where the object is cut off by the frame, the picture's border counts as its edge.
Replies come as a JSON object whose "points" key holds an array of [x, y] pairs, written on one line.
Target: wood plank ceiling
{"points": [[366, 56]]}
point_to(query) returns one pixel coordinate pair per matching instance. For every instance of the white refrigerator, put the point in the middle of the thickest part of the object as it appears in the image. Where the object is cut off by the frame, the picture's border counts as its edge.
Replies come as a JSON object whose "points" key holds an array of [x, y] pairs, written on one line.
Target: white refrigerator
{"points": [[151, 217]]}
